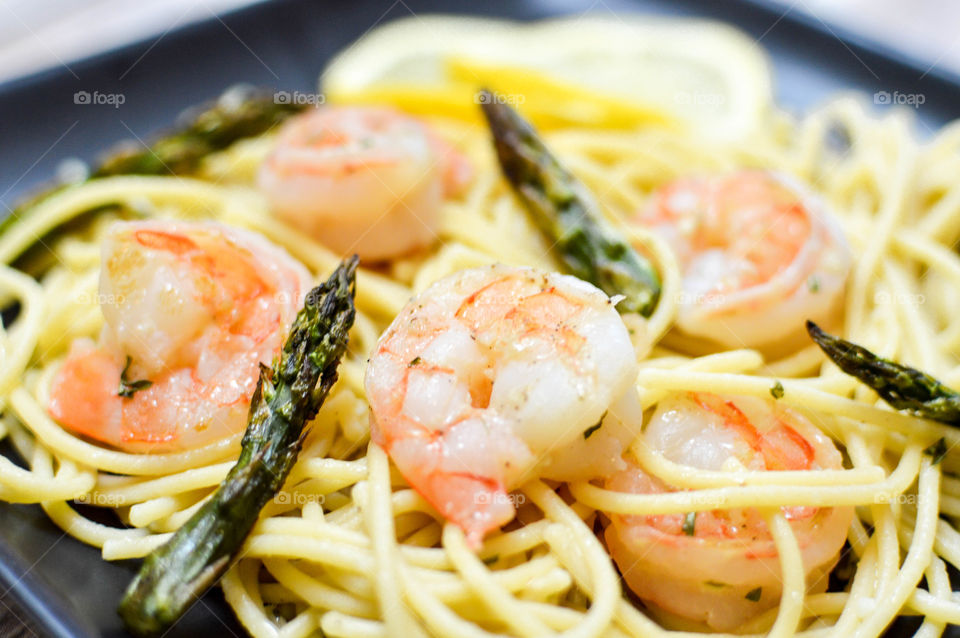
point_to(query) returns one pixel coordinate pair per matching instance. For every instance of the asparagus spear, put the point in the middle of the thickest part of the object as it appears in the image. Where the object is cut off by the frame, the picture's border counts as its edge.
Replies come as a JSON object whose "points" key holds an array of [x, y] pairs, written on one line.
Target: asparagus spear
{"points": [[567, 215], [288, 396], [901, 386], [180, 152], [212, 129]]}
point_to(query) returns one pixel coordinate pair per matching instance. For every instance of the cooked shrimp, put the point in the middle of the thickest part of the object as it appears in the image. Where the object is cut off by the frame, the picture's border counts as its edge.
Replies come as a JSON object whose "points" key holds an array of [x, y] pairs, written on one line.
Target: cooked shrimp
{"points": [[496, 374], [721, 567], [365, 180], [191, 310], [759, 254]]}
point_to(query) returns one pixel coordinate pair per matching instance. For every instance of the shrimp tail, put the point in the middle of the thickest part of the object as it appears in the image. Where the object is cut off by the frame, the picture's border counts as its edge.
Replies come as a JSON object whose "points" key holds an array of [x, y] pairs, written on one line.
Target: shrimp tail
{"points": [[287, 397], [903, 387], [567, 214]]}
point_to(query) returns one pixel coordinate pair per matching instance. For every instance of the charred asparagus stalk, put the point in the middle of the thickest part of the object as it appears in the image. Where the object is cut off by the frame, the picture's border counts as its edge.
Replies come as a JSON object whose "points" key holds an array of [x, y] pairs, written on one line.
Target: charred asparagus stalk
{"points": [[903, 387], [181, 151], [210, 130], [288, 396], [566, 213]]}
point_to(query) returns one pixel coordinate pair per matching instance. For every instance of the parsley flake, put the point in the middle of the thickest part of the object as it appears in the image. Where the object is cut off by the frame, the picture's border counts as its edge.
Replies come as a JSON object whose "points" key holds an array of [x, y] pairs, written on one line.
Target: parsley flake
{"points": [[593, 428], [777, 390], [938, 450], [128, 387]]}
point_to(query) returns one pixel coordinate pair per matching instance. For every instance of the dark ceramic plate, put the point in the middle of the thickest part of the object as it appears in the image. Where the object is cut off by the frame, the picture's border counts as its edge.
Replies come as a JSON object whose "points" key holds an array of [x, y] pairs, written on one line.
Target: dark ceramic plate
{"points": [[65, 586]]}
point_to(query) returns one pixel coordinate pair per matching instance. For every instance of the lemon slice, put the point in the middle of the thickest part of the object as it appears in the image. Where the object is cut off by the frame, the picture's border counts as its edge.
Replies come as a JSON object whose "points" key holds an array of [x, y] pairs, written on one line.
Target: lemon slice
{"points": [[548, 102], [705, 73]]}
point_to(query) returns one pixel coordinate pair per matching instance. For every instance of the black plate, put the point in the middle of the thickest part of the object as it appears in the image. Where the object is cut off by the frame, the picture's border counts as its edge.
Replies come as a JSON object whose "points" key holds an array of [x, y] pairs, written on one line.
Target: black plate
{"points": [[64, 585]]}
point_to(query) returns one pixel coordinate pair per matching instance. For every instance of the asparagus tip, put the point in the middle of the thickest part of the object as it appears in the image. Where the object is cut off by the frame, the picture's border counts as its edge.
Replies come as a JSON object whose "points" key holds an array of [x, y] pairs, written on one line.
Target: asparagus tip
{"points": [[502, 119], [287, 398]]}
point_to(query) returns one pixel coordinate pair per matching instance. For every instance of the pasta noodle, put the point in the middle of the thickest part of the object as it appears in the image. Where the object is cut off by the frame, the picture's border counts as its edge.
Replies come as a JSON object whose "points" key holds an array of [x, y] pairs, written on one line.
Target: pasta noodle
{"points": [[347, 548]]}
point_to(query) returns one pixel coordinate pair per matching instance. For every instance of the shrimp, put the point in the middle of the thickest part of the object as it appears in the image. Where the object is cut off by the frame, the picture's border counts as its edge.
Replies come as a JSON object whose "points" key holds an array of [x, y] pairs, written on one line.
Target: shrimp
{"points": [[365, 180], [721, 567], [497, 374], [759, 255], [191, 310]]}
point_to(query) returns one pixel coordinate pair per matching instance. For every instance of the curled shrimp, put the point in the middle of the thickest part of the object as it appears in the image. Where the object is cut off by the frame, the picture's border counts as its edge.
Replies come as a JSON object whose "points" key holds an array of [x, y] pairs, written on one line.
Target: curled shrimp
{"points": [[365, 180], [760, 255], [496, 374], [721, 567], [191, 310]]}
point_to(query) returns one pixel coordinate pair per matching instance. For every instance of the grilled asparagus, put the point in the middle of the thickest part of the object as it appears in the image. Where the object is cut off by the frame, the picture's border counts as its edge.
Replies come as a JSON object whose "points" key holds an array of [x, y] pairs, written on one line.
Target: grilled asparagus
{"points": [[903, 387], [288, 396], [211, 130], [567, 214], [180, 152]]}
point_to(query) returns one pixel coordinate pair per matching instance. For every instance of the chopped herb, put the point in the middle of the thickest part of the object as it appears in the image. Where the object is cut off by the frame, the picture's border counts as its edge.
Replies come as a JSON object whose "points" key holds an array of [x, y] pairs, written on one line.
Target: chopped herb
{"points": [[415, 361], [689, 523], [715, 584], [593, 428], [777, 390], [490, 560], [128, 387], [813, 283], [754, 594], [938, 450]]}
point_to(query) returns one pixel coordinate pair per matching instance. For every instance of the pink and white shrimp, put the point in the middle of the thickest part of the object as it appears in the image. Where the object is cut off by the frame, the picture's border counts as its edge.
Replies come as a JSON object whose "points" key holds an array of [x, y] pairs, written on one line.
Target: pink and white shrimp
{"points": [[365, 180], [497, 374], [191, 310], [721, 567], [759, 253]]}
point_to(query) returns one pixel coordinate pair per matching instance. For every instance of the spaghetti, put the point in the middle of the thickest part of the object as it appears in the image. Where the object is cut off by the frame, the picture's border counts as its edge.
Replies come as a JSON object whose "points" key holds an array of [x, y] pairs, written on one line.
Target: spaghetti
{"points": [[347, 548]]}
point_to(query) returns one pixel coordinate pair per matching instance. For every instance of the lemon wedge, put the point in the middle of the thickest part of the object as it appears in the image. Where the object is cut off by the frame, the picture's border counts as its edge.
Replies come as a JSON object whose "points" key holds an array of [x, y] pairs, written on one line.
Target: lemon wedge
{"points": [[548, 102], [587, 71]]}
